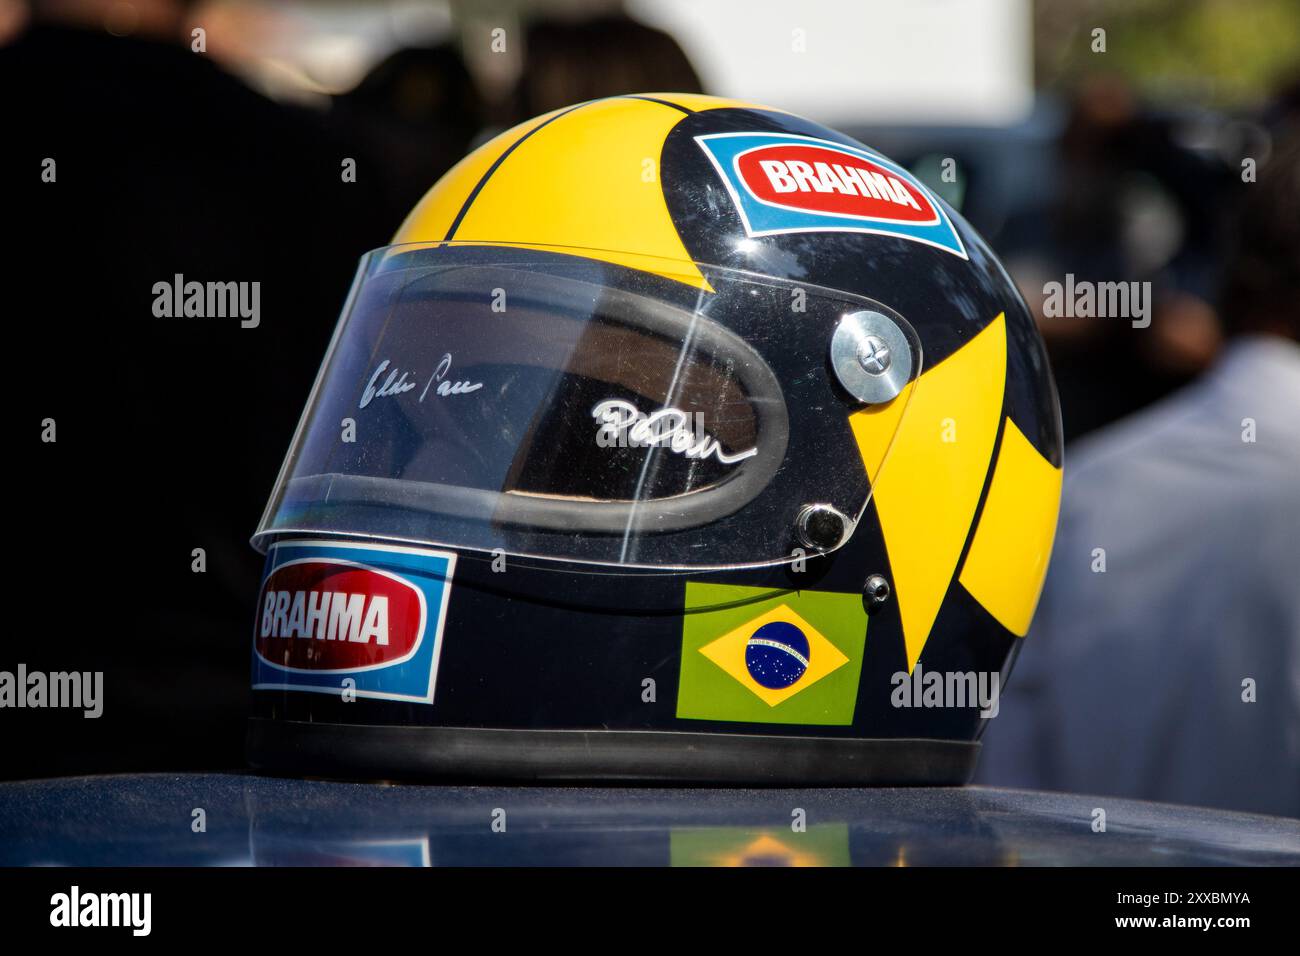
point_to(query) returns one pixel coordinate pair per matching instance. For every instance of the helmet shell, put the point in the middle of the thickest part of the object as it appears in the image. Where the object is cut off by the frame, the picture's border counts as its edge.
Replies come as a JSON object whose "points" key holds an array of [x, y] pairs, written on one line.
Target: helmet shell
{"points": [[835, 668]]}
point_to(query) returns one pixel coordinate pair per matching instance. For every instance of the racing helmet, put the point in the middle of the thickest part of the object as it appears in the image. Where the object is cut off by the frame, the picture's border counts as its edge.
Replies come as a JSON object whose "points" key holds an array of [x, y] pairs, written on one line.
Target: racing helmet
{"points": [[673, 438]]}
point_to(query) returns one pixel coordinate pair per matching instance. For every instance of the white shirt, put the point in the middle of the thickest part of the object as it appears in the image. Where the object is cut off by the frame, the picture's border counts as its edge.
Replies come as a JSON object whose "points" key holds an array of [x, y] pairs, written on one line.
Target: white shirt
{"points": [[1131, 680]]}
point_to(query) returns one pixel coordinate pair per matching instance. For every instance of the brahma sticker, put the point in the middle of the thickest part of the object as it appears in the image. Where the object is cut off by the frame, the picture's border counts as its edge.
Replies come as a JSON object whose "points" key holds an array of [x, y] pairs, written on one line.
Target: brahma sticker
{"points": [[365, 618], [782, 183]]}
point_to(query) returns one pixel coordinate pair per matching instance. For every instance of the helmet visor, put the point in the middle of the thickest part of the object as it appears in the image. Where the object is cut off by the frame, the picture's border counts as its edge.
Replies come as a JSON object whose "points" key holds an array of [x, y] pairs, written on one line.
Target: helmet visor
{"points": [[543, 403]]}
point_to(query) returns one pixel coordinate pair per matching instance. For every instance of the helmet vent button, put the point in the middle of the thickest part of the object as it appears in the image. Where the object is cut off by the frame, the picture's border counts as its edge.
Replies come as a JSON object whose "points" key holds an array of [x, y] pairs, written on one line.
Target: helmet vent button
{"points": [[822, 527]]}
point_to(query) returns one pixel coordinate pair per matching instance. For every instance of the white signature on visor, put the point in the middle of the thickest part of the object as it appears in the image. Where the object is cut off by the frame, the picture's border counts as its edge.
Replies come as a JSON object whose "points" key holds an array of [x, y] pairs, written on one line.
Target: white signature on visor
{"points": [[397, 383], [623, 424]]}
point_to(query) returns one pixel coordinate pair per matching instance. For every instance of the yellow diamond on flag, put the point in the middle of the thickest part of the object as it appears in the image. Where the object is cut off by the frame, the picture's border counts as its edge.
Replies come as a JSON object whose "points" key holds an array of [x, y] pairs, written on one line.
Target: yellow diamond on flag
{"points": [[775, 655], [767, 851], [822, 844]]}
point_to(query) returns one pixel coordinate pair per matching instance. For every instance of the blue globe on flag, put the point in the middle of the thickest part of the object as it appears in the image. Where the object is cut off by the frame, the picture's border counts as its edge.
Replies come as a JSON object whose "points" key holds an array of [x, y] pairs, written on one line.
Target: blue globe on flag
{"points": [[777, 655]]}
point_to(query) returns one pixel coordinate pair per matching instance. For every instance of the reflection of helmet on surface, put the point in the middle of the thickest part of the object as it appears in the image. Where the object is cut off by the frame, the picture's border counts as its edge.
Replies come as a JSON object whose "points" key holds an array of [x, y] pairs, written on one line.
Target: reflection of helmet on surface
{"points": [[670, 435]]}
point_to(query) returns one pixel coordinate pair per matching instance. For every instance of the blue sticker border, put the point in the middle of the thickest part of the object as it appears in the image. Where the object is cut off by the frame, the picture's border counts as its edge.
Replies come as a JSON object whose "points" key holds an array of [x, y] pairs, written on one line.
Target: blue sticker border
{"points": [[349, 551], [913, 232]]}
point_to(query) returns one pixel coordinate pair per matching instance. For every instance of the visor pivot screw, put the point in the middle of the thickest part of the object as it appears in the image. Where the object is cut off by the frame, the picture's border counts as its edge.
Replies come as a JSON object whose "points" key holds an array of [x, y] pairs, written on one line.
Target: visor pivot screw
{"points": [[875, 593], [873, 355], [822, 527]]}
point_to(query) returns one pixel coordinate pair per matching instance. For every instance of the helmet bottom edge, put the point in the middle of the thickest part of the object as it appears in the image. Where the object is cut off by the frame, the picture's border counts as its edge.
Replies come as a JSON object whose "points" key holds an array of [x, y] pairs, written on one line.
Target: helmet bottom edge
{"points": [[478, 755]]}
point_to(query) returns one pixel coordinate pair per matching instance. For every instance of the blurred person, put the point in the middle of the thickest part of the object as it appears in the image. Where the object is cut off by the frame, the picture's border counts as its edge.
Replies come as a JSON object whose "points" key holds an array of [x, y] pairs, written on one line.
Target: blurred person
{"points": [[418, 110], [1164, 662], [1133, 206], [129, 160], [1282, 115], [567, 62]]}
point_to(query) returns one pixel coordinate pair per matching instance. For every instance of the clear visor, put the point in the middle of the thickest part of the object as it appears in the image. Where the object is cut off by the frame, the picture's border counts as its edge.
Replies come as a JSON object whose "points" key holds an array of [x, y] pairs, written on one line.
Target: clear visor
{"points": [[547, 404]]}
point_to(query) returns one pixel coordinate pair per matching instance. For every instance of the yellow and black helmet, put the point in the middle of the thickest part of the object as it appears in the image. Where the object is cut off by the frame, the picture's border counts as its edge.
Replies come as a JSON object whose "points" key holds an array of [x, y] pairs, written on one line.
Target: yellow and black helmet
{"points": [[673, 438]]}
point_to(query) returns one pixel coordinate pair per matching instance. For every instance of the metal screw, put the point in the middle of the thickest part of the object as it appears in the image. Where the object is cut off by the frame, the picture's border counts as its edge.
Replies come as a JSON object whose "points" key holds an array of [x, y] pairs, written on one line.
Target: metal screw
{"points": [[873, 355], [875, 592]]}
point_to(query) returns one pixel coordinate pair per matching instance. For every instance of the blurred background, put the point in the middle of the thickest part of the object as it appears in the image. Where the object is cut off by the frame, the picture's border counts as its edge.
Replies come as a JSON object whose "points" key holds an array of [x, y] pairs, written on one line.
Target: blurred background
{"points": [[216, 154]]}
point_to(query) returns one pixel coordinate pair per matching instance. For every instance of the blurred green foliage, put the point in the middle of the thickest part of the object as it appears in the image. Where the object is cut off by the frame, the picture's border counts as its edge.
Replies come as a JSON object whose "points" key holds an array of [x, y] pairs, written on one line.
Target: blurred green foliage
{"points": [[1212, 52]]}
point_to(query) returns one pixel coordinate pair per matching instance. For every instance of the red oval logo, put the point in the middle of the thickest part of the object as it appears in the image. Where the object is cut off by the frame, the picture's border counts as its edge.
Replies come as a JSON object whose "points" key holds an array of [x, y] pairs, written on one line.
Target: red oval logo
{"points": [[817, 179], [320, 614]]}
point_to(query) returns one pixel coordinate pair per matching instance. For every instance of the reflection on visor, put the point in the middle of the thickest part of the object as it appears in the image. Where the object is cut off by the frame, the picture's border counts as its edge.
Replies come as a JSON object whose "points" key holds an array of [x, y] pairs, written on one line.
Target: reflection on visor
{"points": [[543, 404]]}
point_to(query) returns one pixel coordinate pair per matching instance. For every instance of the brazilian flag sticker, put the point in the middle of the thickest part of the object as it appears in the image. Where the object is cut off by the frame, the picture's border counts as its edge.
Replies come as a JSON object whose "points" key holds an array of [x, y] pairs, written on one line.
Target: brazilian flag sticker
{"points": [[825, 844], [772, 657]]}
